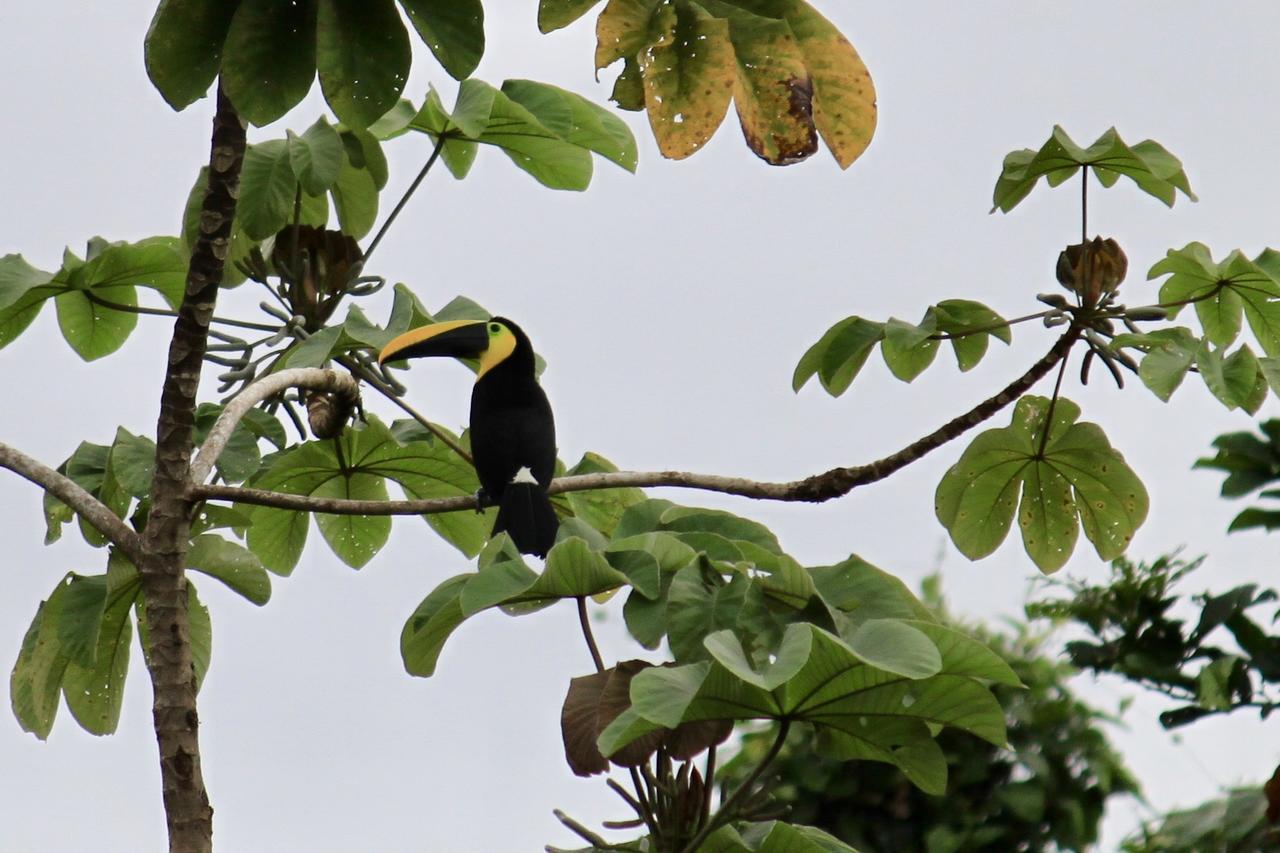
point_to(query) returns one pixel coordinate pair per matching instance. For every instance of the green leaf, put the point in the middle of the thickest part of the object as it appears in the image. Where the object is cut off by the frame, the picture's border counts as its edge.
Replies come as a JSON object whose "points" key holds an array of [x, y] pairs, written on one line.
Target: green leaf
{"points": [[896, 647], [838, 356], [233, 564], [18, 278], [363, 56], [356, 539], [453, 29], [1223, 291], [429, 627], [316, 156], [576, 119], [959, 318], [184, 48], [533, 147], [201, 634], [91, 329], [832, 688], [277, 536], [1213, 687], [1077, 479], [269, 60], [1169, 355], [36, 681], [601, 508], [267, 189], [355, 198], [1236, 380], [133, 460], [95, 691], [1147, 164], [700, 602], [909, 349], [556, 14], [79, 618]]}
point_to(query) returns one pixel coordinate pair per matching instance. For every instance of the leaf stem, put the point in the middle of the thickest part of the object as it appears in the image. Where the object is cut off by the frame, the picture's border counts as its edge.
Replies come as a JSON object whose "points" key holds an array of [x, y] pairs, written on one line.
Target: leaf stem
{"points": [[991, 327], [587, 635], [404, 199], [1053, 402], [1084, 204], [165, 312], [726, 811]]}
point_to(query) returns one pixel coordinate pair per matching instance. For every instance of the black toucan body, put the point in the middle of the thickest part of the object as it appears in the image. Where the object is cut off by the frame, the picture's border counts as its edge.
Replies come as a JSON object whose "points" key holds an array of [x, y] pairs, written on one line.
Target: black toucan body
{"points": [[513, 434]]}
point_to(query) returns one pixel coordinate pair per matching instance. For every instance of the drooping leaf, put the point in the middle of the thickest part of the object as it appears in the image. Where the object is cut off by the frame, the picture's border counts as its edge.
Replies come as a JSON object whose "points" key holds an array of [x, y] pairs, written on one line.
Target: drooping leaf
{"points": [[133, 459], [838, 355], [92, 329], [316, 156], [269, 60], [1056, 485], [430, 625], [555, 14], [909, 349], [363, 56], [971, 325], [95, 691], [576, 120], [184, 48], [233, 564], [453, 29]]}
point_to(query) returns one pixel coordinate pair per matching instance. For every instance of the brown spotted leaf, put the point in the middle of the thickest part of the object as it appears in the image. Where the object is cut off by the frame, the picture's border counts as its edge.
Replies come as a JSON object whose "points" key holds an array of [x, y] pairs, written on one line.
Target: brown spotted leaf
{"points": [[689, 74], [773, 90], [792, 74]]}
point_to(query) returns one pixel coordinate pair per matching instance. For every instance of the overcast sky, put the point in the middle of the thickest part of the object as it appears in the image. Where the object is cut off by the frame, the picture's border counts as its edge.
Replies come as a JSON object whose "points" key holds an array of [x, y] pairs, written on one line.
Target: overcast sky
{"points": [[671, 307]]}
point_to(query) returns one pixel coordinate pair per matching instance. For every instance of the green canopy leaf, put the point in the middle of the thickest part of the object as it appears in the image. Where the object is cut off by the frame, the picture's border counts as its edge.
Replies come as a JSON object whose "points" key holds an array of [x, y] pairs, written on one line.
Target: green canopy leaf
{"points": [[184, 47], [1056, 485], [1147, 164], [269, 58], [363, 56], [234, 565], [1223, 291], [453, 29]]}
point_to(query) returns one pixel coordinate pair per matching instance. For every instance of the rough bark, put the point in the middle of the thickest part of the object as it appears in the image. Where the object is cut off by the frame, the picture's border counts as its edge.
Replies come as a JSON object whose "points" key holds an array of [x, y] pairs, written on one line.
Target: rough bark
{"points": [[165, 540]]}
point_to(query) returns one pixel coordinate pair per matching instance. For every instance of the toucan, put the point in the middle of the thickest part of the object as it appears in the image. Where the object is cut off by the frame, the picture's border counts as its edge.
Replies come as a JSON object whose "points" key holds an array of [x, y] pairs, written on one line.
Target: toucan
{"points": [[513, 434]]}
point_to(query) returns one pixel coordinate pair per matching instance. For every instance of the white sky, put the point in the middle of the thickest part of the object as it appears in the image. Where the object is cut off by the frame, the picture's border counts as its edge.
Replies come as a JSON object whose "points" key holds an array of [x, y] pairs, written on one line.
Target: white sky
{"points": [[671, 308]]}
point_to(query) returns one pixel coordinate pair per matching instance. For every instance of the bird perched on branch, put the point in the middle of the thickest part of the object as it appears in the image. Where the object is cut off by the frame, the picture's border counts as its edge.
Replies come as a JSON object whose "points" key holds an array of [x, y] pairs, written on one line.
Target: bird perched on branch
{"points": [[513, 434]]}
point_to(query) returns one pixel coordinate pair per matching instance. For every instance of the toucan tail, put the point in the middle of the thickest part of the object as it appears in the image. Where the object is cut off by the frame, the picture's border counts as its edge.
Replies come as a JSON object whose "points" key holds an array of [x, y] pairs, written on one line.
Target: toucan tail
{"points": [[525, 513]]}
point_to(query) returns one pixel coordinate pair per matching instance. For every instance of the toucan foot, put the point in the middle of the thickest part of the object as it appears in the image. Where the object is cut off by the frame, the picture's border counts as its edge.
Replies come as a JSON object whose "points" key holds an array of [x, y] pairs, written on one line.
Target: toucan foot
{"points": [[482, 499]]}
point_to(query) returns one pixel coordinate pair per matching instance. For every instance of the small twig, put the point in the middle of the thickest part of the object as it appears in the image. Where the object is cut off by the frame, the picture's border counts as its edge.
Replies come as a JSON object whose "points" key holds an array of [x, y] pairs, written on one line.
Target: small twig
{"points": [[582, 832], [70, 493], [991, 327], [314, 378], [587, 635], [708, 780], [726, 811]]}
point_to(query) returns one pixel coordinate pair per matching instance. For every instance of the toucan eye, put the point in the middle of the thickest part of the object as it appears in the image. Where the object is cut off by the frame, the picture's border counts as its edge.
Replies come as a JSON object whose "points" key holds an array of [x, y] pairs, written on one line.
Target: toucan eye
{"points": [[494, 328]]}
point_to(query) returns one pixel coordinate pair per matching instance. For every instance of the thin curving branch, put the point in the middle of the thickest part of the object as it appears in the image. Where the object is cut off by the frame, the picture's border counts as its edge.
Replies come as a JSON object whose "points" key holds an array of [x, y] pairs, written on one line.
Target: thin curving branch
{"points": [[312, 378], [815, 489], [86, 505]]}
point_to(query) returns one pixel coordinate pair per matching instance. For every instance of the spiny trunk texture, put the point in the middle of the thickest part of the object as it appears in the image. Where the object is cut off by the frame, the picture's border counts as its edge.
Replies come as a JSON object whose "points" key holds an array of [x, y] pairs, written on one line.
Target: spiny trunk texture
{"points": [[165, 541]]}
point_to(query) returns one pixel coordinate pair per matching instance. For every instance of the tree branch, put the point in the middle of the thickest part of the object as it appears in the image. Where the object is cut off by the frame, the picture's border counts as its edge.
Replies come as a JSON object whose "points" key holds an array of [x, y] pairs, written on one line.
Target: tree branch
{"points": [[815, 489], [313, 378], [86, 505]]}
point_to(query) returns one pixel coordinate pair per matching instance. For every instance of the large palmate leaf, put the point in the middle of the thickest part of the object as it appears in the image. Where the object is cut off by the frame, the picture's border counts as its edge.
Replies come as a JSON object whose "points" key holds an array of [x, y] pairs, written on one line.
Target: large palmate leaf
{"points": [[1147, 164], [818, 678], [85, 291], [268, 53], [1053, 485], [356, 466], [773, 836], [546, 131], [1224, 292], [792, 75]]}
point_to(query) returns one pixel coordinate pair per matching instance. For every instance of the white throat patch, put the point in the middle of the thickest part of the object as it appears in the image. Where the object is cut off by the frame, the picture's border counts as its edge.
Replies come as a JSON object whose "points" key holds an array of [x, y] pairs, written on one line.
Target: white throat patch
{"points": [[524, 475]]}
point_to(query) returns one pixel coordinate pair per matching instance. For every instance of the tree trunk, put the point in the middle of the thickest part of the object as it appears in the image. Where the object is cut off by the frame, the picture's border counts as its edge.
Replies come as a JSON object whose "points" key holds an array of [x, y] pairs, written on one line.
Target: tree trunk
{"points": [[165, 540]]}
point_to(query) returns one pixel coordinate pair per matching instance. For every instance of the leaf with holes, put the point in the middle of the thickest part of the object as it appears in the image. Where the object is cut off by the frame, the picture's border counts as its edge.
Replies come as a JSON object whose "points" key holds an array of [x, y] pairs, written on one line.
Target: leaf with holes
{"points": [[453, 29], [1147, 164], [269, 57], [362, 56], [1055, 484]]}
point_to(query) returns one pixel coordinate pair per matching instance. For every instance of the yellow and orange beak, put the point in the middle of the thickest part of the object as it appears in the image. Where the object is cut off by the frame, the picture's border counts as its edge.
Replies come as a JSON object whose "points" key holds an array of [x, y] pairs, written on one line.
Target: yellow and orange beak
{"points": [[456, 338]]}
